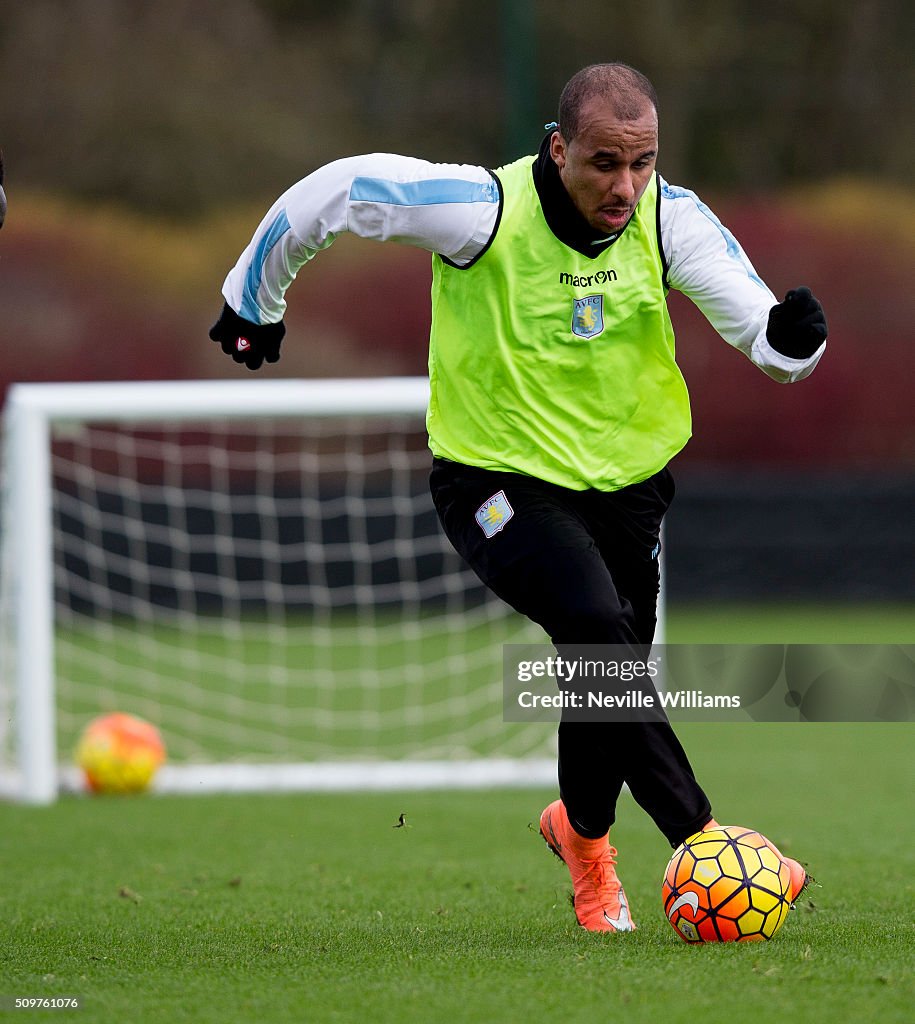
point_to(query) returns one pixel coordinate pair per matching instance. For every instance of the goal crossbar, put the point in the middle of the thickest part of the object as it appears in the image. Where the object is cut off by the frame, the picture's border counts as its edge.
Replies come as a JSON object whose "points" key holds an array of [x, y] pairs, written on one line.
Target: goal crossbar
{"points": [[148, 401]]}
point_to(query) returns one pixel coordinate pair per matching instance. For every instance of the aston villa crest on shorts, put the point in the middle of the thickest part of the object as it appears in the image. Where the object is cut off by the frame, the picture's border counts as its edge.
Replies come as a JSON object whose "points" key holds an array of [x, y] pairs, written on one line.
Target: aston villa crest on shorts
{"points": [[493, 514], [588, 316]]}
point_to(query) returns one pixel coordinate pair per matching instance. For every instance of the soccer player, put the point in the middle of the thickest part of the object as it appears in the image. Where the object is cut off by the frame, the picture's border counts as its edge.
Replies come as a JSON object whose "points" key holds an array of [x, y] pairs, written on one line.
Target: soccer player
{"points": [[556, 401]]}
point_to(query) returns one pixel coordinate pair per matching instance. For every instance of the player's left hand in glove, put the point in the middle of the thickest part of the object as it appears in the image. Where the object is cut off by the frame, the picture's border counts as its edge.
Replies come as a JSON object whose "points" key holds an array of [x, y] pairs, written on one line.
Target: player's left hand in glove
{"points": [[797, 326], [246, 342]]}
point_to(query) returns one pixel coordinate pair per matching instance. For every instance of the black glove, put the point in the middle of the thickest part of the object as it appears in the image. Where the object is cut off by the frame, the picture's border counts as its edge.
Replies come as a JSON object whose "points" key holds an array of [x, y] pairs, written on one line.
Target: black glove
{"points": [[246, 342], [797, 326]]}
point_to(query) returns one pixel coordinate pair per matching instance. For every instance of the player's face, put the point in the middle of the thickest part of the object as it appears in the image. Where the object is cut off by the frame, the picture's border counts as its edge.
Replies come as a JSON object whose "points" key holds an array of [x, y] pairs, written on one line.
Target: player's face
{"points": [[608, 165]]}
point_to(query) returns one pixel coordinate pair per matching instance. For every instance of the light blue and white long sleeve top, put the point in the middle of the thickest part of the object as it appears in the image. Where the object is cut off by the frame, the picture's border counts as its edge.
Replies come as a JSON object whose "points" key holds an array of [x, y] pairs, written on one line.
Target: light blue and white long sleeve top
{"points": [[453, 210]]}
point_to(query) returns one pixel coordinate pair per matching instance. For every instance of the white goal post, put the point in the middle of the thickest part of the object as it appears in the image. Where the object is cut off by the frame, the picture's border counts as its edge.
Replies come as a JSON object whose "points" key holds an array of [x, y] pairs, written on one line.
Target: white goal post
{"points": [[254, 566]]}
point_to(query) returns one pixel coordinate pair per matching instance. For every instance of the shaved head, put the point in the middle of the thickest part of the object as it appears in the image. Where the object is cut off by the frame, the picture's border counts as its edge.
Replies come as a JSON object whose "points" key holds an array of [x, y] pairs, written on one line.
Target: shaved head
{"points": [[627, 93]]}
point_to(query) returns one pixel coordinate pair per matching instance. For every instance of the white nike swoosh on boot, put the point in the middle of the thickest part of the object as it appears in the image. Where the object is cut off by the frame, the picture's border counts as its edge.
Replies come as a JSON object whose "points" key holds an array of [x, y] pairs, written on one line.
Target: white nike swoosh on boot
{"points": [[623, 923]]}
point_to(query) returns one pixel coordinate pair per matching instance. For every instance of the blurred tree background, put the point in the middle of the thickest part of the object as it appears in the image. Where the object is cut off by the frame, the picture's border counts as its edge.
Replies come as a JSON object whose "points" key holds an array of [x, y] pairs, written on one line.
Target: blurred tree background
{"points": [[181, 106], [144, 141]]}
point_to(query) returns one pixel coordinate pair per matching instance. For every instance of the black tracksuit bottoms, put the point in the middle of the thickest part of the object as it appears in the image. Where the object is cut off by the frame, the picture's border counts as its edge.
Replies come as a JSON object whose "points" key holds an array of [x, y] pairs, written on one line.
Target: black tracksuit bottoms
{"points": [[584, 566]]}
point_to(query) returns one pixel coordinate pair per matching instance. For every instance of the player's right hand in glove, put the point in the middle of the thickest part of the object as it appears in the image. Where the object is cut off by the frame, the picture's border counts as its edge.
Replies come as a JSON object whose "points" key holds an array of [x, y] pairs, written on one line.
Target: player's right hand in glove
{"points": [[246, 342], [797, 326]]}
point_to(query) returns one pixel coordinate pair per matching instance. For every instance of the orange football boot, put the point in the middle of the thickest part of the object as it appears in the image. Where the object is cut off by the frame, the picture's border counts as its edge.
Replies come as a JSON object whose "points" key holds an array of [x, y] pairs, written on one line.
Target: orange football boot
{"points": [[599, 901], [799, 878]]}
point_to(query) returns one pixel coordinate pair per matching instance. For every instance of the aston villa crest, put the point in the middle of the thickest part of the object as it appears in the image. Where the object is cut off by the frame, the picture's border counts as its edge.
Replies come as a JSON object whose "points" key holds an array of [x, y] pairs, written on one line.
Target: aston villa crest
{"points": [[588, 316], [493, 514]]}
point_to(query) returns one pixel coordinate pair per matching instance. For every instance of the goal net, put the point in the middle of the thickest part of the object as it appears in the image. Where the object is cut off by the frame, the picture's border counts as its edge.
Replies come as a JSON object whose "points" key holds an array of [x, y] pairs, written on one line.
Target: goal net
{"points": [[257, 568]]}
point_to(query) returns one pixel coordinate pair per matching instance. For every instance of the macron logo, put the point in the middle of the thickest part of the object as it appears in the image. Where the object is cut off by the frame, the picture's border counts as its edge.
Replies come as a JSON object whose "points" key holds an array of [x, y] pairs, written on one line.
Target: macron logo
{"points": [[242, 345], [585, 280]]}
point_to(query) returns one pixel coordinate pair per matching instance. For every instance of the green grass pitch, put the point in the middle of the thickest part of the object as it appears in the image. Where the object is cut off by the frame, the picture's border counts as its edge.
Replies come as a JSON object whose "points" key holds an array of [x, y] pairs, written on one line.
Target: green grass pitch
{"points": [[314, 908]]}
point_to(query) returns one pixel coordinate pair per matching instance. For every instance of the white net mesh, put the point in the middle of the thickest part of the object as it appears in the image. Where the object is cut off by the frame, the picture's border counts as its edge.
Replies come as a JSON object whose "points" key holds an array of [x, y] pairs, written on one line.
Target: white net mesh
{"points": [[272, 592]]}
